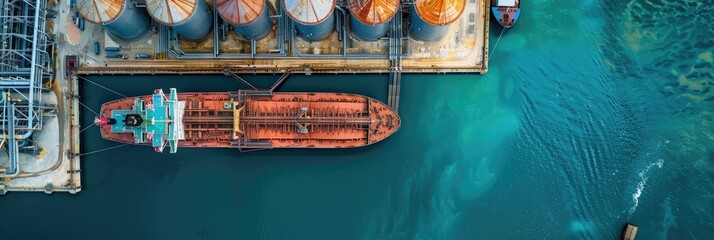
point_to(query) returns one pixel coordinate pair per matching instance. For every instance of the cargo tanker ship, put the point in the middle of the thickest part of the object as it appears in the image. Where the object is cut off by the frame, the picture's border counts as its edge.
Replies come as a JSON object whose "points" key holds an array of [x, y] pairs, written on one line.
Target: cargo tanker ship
{"points": [[247, 119]]}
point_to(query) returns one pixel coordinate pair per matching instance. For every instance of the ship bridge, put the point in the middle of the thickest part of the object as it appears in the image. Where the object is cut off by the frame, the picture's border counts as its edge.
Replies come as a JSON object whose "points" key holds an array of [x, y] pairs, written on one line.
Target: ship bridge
{"points": [[160, 121]]}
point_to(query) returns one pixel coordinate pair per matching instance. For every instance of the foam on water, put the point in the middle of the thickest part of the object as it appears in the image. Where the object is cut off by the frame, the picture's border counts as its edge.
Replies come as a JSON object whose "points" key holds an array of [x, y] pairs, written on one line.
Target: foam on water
{"points": [[643, 175]]}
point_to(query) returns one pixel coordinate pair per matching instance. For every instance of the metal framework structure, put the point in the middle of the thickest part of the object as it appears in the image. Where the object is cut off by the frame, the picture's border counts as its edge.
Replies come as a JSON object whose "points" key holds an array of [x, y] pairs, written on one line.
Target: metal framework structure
{"points": [[25, 64]]}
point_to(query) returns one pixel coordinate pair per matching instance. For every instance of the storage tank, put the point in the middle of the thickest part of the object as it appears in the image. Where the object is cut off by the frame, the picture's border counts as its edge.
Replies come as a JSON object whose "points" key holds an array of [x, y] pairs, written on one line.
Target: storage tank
{"points": [[120, 17], [431, 19], [313, 18], [250, 18], [192, 19], [370, 18]]}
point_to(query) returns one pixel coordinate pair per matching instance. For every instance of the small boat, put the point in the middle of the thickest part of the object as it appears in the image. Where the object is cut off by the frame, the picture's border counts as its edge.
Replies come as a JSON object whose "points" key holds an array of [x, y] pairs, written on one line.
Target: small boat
{"points": [[630, 232], [506, 11]]}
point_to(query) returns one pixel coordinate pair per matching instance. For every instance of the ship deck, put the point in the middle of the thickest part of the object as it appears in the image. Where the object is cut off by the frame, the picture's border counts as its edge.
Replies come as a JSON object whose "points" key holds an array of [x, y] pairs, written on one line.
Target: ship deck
{"points": [[258, 119]]}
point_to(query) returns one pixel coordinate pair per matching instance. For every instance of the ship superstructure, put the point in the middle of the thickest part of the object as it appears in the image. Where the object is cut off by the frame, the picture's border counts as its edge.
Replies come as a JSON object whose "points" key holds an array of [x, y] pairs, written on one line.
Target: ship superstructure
{"points": [[157, 122], [248, 120]]}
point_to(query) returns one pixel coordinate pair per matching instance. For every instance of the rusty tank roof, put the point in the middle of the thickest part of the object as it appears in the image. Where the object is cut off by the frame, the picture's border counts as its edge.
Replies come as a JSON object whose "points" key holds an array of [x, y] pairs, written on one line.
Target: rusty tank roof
{"points": [[100, 11], [309, 11], [373, 12], [171, 12], [439, 12], [240, 12]]}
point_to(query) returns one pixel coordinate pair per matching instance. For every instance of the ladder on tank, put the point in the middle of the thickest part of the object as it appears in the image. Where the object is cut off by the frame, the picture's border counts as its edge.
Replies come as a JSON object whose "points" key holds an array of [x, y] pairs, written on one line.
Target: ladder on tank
{"points": [[395, 61]]}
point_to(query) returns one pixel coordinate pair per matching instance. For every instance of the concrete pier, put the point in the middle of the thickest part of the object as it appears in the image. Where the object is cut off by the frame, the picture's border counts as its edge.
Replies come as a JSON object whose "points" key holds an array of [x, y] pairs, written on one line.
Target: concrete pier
{"points": [[464, 49]]}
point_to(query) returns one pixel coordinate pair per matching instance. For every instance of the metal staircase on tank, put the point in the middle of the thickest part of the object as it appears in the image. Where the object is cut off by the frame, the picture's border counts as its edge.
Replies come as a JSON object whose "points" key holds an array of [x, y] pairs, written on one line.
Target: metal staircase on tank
{"points": [[395, 60]]}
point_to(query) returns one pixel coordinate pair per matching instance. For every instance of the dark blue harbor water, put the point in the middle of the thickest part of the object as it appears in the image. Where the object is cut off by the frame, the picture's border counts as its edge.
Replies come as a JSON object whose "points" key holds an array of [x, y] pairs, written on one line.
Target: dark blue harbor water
{"points": [[593, 114]]}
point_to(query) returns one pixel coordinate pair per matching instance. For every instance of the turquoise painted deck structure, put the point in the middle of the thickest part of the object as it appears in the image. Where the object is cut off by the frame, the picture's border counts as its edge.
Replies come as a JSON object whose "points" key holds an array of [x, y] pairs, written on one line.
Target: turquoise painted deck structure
{"points": [[162, 120]]}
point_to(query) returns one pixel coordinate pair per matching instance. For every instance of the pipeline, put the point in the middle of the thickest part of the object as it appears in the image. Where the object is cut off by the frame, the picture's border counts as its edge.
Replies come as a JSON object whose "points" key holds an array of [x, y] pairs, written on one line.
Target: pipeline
{"points": [[12, 139], [12, 147], [24, 136], [14, 83]]}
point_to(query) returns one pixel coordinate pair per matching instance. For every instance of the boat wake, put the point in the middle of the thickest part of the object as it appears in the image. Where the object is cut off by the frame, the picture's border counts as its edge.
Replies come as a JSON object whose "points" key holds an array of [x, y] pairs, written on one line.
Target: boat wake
{"points": [[641, 185]]}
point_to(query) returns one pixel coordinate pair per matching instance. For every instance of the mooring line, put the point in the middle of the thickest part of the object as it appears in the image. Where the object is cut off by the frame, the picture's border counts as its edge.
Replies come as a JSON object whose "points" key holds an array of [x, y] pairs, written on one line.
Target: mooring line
{"points": [[101, 150], [85, 106], [85, 128], [105, 88], [497, 40]]}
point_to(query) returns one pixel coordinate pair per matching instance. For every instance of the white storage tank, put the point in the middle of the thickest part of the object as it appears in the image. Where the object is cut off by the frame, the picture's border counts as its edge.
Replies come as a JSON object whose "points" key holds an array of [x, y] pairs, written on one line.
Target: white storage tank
{"points": [[192, 19], [313, 19]]}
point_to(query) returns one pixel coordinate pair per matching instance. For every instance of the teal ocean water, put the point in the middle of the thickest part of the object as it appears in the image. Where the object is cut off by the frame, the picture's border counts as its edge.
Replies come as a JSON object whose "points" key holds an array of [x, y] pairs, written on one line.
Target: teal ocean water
{"points": [[593, 114]]}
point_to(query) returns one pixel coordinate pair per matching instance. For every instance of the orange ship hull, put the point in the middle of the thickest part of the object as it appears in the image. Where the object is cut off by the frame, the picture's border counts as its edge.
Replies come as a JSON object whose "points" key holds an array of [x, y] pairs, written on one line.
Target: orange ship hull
{"points": [[254, 119]]}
